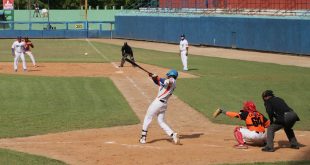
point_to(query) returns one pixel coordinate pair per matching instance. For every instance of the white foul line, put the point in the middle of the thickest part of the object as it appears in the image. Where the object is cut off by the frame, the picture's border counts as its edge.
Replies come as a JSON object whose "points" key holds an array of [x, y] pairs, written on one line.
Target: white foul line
{"points": [[115, 66], [101, 54], [132, 145]]}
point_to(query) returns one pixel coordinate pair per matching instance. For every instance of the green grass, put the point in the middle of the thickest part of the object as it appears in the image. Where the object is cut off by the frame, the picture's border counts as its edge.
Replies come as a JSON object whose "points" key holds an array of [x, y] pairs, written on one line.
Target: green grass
{"points": [[228, 83], [223, 82], [17, 158], [40, 105], [58, 50]]}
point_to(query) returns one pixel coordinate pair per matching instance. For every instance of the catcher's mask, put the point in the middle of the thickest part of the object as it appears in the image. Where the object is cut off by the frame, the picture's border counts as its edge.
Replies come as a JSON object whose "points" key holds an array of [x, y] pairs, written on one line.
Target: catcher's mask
{"points": [[173, 73], [249, 106]]}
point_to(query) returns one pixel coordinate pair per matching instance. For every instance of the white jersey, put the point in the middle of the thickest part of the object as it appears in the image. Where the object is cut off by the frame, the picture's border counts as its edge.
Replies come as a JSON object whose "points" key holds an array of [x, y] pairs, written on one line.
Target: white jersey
{"points": [[19, 47], [166, 88], [183, 45]]}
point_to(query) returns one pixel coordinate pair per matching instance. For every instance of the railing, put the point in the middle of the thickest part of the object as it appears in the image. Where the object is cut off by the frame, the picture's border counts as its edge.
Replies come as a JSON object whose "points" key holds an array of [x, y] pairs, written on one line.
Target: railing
{"points": [[75, 29]]}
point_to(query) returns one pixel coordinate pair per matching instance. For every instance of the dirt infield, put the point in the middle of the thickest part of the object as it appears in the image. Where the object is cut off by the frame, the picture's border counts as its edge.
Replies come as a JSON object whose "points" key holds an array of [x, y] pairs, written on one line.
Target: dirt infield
{"points": [[202, 141]]}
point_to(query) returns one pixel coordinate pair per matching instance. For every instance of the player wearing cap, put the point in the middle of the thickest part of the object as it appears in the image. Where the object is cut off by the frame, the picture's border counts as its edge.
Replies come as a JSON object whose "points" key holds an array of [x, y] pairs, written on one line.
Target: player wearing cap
{"points": [[184, 51], [18, 49], [159, 106]]}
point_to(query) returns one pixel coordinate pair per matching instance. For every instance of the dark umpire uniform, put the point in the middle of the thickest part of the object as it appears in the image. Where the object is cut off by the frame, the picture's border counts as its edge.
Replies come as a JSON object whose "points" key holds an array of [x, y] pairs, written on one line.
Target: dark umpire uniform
{"points": [[126, 51], [281, 116]]}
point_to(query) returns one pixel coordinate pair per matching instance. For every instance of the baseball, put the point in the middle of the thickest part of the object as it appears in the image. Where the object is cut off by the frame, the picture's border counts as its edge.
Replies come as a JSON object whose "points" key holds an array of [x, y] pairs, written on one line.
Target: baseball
{"points": [[86, 54]]}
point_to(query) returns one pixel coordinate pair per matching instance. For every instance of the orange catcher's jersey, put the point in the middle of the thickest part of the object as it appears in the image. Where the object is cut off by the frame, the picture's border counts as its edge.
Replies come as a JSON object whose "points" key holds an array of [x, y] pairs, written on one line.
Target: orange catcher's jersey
{"points": [[254, 121]]}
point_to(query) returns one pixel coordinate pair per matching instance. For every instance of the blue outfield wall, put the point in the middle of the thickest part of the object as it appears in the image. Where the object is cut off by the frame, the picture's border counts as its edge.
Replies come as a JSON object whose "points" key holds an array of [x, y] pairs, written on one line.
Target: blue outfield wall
{"points": [[286, 35]]}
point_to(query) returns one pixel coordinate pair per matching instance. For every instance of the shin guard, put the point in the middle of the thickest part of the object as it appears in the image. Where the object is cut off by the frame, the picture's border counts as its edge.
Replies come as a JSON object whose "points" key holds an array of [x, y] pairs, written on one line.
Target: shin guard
{"points": [[238, 135]]}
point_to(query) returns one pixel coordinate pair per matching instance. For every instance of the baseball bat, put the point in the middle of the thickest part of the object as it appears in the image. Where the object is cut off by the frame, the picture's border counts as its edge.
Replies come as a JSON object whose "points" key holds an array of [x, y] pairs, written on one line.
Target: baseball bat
{"points": [[135, 64]]}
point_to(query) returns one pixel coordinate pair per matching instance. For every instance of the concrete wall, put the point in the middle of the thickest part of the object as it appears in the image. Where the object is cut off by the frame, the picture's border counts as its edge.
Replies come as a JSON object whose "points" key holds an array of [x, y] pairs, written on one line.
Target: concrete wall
{"points": [[256, 33], [67, 15], [63, 22]]}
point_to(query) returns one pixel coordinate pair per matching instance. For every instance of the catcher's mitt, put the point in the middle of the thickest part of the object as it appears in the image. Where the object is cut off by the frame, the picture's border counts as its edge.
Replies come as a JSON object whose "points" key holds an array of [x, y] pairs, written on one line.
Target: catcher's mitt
{"points": [[217, 112]]}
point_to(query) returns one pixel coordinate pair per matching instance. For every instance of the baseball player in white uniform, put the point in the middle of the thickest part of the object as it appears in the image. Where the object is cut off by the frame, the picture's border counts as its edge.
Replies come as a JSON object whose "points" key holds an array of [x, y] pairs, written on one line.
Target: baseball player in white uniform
{"points": [[184, 51], [159, 106], [18, 49]]}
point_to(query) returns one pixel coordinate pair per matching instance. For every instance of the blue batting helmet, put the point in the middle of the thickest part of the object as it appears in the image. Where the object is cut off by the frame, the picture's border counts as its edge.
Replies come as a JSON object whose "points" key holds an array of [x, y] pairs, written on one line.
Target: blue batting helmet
{"points": [[173, 73]]}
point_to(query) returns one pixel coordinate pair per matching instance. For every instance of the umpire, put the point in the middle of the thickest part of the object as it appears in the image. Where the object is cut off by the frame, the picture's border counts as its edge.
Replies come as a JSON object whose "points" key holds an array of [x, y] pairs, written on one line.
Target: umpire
{"points": [[281, 116], [126, 51]]}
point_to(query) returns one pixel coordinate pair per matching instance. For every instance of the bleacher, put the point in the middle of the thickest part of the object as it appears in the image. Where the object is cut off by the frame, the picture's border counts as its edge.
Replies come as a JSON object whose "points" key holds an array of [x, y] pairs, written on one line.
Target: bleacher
{"points": [[218, 11], [299, 8]]}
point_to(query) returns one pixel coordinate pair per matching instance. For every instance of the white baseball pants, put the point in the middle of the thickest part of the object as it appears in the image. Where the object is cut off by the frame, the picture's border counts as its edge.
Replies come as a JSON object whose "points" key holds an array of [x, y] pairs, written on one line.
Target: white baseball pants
{"points": [[157, 108], [16, 58], [29, 53], [252, 136], [184, 60]]}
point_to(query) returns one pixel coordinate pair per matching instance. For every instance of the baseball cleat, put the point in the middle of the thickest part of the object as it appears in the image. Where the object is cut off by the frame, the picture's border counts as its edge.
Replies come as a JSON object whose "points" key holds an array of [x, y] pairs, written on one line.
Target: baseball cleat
{"points": [[142, 140], [267, 149], [295, 147], [241, 146], [176, 138]]}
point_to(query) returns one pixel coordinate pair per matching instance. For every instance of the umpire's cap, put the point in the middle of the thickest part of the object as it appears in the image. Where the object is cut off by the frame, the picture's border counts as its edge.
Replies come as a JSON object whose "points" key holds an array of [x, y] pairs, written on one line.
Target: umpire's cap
{"points": [[267, 93]]}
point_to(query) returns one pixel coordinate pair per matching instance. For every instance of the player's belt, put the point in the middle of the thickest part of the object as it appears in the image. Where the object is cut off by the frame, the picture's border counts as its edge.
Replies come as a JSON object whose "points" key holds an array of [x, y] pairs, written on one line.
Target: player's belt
{"points": [[163, 101]]}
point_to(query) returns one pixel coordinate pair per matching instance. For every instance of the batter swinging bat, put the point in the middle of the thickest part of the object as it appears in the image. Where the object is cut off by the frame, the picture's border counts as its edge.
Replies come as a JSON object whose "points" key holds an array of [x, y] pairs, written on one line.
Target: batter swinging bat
{"points": [[135, 64]]}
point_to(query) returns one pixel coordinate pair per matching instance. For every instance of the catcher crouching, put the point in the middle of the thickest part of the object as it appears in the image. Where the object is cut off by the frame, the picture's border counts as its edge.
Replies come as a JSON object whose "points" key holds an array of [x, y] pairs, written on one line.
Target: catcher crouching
{"points": [[256, 123]]}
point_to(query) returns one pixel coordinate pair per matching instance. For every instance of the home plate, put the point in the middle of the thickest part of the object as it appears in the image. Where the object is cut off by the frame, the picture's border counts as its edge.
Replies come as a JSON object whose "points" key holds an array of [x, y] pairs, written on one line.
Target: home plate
{"points": [[110, 142], [119, 71]]}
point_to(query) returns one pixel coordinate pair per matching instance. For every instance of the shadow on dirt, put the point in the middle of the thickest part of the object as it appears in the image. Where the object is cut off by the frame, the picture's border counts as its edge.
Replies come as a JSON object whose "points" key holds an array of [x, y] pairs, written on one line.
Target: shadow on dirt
{"points": [[286, 144], [191, 136], [183, 136]]}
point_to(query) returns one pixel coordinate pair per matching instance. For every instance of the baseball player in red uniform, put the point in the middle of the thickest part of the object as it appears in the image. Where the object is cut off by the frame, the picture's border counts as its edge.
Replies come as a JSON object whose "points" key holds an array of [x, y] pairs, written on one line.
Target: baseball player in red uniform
{"points": [[159, 106], [29, 44], [255, 125]]}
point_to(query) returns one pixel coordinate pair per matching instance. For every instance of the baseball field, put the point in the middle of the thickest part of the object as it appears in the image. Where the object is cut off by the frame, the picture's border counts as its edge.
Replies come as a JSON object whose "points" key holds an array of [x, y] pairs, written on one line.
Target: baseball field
{"points": [[79, 107]]}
